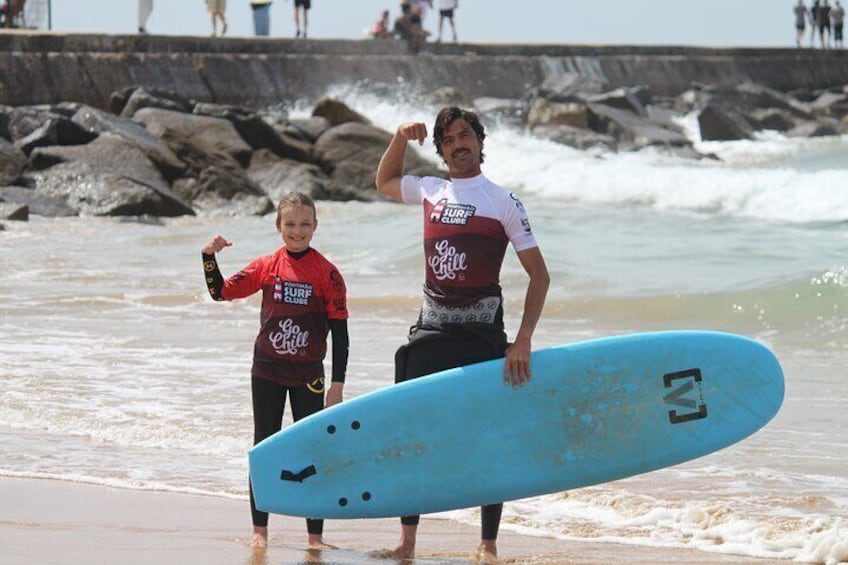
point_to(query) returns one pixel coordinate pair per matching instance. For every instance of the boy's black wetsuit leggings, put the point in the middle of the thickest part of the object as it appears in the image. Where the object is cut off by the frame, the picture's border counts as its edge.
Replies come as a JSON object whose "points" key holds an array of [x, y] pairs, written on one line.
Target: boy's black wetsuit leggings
{"points": [[430, 351], [269, 401]]}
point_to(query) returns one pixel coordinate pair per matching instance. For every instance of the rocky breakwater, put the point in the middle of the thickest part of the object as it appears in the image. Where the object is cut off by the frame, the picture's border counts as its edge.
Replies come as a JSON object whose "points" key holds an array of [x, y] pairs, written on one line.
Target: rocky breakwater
{"points": [[157, 153], [213, 146]]}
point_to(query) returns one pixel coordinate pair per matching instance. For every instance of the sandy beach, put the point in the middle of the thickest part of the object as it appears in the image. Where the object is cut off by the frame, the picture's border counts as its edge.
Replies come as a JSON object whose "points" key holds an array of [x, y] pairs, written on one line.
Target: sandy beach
{"points": [[58, 522]]}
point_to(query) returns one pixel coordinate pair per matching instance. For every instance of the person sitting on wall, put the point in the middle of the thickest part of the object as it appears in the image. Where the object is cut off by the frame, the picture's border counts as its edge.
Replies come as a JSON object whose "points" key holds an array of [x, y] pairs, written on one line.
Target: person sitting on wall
{"points": [[381, 27], [9, 11]]}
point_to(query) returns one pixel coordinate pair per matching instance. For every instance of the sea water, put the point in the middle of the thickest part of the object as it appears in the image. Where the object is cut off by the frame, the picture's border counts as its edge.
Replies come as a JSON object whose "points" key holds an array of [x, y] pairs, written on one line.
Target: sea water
{"points": [[116, 367]]}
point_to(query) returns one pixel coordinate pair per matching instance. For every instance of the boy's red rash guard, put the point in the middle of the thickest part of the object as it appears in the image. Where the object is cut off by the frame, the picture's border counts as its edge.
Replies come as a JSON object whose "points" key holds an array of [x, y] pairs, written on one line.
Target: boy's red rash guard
{"points": [[303, 298]]}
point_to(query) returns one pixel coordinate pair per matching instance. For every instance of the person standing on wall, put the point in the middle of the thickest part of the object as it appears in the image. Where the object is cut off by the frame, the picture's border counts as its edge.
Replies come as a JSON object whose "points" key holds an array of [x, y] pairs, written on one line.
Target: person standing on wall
{"points": [[217, 9], [261, 17], [446, 9], [145, 8], [801, 15], [301, 7], [837, 18]]}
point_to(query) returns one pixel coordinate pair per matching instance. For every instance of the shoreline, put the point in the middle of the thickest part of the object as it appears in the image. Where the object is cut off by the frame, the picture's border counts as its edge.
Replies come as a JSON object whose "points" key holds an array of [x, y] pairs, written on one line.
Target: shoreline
{"points": [[47, 521]]}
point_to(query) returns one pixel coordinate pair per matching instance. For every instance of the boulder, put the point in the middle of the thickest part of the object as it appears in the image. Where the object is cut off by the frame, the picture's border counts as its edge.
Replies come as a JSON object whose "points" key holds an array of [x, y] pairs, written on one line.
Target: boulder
{"points": [[576, 137], [14, 211], [157, 151], [215, 135], [144, 98], [257, 132], [718, 123], [337, 112], [543, 112], [349, 154], [633, 131], [219, 191], [12, 163], [39, 204], [56, 130], [89, 182], [277, 176]]}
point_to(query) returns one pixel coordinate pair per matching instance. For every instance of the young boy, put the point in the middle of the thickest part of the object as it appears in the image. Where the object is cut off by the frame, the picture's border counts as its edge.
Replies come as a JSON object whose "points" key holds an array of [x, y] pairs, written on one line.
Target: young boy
{"points": [[303, 299]]}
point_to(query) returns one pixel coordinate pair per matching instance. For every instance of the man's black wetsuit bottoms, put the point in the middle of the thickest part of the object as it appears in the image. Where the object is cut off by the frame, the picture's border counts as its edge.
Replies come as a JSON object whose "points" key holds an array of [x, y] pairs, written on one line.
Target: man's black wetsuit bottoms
{"points": [[433, 350]]}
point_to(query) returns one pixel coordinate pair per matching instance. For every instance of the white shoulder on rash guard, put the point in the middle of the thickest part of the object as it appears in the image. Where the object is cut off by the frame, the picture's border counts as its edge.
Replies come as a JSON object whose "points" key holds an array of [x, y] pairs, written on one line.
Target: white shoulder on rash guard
{"points": [[413, 190]]}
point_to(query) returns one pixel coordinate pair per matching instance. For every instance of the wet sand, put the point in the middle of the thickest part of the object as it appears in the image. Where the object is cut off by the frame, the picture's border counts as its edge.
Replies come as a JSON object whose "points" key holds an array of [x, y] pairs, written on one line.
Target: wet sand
{"points": [[60, 522]]}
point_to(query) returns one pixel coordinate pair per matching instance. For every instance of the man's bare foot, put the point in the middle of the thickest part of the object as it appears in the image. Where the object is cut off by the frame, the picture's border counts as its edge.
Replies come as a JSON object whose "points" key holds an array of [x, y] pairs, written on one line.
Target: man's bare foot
{"points": [[316, 542], [260, 537], [487, 553], [401, 553]]}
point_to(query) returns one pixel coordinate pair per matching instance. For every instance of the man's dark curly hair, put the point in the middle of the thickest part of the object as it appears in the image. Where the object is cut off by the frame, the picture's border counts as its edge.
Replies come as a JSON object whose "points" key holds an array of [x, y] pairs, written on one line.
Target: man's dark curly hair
{"points": [[446, 117]]}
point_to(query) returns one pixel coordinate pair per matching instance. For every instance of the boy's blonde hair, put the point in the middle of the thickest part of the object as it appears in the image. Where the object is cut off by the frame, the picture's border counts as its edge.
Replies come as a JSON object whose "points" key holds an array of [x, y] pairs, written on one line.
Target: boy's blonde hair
{"points": [[295, 199]]}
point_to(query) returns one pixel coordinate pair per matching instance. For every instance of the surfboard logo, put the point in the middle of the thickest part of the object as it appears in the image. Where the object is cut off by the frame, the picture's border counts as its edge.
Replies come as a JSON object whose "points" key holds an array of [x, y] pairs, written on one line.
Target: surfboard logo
{"points": [[691, 380]]}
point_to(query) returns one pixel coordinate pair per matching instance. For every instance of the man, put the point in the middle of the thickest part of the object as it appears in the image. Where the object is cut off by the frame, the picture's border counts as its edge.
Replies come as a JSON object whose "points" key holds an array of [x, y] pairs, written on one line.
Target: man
{"points": [[469, 222], [837, 18], [801, 15], [446, 9], [301, 6]]}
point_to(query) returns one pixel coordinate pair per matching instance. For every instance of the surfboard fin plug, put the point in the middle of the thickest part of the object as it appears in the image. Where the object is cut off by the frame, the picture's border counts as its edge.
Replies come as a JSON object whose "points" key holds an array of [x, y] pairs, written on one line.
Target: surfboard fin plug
{"points": [[298, 477]]}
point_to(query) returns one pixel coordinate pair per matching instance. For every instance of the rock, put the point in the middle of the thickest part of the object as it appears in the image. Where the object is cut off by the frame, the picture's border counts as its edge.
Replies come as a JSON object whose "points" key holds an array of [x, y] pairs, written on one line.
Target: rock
{"points": [[23, 120], [215, 135], [631, 99], [579, 138], [57, 130], [337, 112], [89, 182], [39, 204], [276, 176], [349, 154], [5, 111], [504, 111], [258, 133], [99, 121], [12, 163], [720, 124], [144, 98], [221, 191], [631, 130], [772, 119], [14, 211], [311, 128], [543, 112], [817, 129]]}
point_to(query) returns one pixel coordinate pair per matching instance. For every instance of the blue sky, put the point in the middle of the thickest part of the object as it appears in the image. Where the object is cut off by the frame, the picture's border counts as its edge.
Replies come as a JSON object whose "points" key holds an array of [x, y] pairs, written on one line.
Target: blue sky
{"points": [[715, 23]]}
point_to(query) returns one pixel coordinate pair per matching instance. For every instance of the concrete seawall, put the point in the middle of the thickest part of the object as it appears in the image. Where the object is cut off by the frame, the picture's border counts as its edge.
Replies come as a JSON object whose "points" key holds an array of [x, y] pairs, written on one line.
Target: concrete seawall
{"points": [[43, 68]]}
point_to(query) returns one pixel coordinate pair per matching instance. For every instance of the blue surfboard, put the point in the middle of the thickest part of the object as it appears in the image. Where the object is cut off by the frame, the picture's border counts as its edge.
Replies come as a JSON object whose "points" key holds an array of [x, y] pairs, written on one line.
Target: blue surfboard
{"points": [[594, 411]]}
